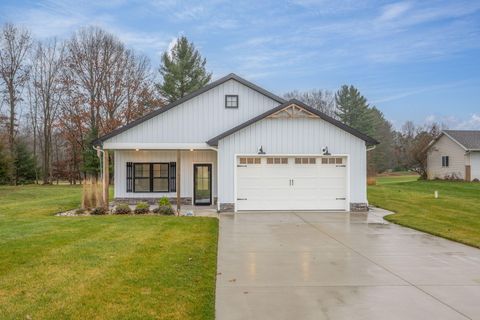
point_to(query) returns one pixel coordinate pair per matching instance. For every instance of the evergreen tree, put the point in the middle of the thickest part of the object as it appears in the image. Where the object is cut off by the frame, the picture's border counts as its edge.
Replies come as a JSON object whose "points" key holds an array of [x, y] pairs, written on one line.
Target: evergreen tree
{"points": [[353, 109], [4, 166], [183, 71], [91, 163], [381, 158], [24, 164]]}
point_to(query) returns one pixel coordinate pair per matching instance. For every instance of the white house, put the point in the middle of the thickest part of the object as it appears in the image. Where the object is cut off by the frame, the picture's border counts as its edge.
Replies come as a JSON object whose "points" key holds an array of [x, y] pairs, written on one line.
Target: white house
{"points": [[240, 147], [455, 154]]}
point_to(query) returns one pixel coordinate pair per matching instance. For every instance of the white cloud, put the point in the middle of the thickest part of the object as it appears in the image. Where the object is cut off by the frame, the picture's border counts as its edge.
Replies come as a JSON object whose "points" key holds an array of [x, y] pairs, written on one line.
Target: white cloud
{"points": [[393, 11], [454, 122]]}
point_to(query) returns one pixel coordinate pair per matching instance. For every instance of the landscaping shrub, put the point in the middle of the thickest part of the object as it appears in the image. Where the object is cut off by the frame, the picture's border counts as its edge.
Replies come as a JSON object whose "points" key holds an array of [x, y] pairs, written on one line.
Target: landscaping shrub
{"points": [[99, 211], [123, 208], [475, 180], [142, 207], [164, 207]]}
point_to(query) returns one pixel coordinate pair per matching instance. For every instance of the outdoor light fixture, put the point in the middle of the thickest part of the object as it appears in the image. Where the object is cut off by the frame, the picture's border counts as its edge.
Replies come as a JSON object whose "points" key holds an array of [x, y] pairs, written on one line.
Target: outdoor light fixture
{"points": [[137, 149], [191, 149], [325, 151], [260, 150]]}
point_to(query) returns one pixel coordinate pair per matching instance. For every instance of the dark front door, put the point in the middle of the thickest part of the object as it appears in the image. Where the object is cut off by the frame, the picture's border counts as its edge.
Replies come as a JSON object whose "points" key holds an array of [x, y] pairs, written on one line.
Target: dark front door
{"points": [[202, 184]]}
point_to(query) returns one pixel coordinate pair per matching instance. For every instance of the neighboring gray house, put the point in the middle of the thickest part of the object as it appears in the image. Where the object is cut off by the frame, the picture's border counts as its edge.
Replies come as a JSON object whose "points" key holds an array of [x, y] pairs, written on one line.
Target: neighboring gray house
{"points": [[241, 147], [455, 154]]}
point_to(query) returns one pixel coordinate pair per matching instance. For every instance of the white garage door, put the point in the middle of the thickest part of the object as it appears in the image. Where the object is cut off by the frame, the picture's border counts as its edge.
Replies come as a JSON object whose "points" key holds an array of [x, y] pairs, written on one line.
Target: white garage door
{"points": [[291, 183]]}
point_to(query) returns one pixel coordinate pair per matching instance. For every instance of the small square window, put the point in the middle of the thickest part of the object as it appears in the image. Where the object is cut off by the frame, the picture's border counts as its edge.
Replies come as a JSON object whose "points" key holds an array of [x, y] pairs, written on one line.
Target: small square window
{"points": [[243, 160], [331, 160], [338, 160], [298, 160], [258, 160], [284, 160], [312, 160], [324, 160], [269, 160], [276, 160], [231, 101], [250, 160]]}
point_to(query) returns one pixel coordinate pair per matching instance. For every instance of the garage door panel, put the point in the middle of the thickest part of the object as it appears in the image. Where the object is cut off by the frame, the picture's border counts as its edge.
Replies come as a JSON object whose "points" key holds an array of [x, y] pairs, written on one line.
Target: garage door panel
{"points": [[291, 186]]}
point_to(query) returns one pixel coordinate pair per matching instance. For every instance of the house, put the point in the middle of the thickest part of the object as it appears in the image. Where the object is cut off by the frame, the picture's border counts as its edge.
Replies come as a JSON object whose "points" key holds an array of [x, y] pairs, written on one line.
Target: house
{"points": [[455, 154], [237, 146]]}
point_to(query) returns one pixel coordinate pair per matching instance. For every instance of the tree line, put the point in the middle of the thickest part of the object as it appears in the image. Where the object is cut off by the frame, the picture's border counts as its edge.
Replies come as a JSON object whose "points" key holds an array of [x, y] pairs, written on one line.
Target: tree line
{"points": [[57, 97]]}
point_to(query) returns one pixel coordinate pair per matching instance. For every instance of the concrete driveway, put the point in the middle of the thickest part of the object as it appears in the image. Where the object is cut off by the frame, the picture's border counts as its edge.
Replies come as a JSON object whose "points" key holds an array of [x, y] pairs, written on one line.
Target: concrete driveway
{"points": [[341, 266]]}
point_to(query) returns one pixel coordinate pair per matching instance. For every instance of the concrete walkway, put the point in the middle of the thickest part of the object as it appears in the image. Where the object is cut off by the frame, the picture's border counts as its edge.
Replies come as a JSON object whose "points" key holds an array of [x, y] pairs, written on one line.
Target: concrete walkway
{"points": [[341, 266]]}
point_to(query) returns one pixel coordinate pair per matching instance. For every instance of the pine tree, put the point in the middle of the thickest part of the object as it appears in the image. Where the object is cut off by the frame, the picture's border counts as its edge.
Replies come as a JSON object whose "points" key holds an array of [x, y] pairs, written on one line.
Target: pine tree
{"points": [[91, 163], [183, 71], [353, 109], [24, 164], [4, 166]]}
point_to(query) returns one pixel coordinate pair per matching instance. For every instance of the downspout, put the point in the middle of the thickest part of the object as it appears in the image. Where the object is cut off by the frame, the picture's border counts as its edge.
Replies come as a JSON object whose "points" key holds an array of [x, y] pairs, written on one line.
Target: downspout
{"points": [[371, 148], [99, 150]]}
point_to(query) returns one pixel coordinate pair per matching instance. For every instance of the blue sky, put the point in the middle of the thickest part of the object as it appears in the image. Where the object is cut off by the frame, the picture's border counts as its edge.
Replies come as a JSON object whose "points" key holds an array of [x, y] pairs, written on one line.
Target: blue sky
{"points": [[415, 60]]}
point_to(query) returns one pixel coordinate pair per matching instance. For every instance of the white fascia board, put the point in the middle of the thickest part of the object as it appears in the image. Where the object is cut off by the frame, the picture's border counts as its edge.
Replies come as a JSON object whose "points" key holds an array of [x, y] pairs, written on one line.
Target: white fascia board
{"points": [[155, 146]]}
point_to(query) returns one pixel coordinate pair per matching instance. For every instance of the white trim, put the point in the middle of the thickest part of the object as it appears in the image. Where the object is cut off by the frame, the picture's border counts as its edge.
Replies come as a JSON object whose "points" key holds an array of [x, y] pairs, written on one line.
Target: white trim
{"points": [[347, 156], [211, 182], [155, 146]]}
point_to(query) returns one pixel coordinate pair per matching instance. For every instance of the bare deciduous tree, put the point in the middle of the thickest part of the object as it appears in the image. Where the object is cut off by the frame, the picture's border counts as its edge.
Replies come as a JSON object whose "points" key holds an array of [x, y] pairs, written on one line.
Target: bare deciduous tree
{"points": [[47, 87], [14, 71], [322, 100]]}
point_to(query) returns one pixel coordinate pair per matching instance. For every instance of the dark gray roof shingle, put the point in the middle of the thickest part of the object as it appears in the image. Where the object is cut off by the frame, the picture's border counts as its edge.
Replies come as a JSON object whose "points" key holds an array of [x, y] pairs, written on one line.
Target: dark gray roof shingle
{"points": [[470, 139]]}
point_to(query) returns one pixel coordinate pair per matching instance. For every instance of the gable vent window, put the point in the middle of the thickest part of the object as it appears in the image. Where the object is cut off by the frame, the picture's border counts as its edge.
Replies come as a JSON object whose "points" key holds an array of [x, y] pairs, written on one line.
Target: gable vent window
{"points": [[231, 101], [445, 161]]}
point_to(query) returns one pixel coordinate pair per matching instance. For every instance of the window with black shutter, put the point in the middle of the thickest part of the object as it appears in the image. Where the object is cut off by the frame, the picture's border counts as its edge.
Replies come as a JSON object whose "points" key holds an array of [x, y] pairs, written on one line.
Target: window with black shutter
{"points": [[151, 177], [173, 177], [129, 177]]}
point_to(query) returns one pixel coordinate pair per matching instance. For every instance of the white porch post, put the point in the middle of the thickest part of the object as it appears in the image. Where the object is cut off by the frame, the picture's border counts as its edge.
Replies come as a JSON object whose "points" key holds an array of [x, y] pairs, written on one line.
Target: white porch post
{"points": [[105, 178], [177, 179]]}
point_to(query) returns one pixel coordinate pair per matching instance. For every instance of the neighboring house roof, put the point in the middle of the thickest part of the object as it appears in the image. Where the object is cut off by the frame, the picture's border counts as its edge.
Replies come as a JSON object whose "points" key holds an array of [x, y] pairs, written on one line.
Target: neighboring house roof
{"points": [[467, 139], [367, 139], [218, 82]]}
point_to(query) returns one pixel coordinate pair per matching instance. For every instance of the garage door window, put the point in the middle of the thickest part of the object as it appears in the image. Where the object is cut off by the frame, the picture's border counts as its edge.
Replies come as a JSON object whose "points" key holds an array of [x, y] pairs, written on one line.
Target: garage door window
{"points": [[332, 160], [250, 160], [305, 160], [277, 160]]}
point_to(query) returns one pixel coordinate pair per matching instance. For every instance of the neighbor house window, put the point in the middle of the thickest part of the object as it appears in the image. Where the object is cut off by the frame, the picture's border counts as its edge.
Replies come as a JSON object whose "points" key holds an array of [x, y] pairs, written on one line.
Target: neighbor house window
{"points": [[231, 101], [445, 161], [151, 177]]}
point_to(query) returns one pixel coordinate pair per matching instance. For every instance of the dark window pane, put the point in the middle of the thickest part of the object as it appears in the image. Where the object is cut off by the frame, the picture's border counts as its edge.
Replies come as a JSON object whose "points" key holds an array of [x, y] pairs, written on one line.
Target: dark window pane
{"points": [[160, 185], [142, 170], [142, 185]]}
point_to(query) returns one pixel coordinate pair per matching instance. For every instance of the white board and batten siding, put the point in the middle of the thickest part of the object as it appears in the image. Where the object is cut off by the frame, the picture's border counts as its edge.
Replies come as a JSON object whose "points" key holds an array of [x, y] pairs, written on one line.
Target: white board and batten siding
{"points": [[188, 158], [199, 119], [294, 136]]}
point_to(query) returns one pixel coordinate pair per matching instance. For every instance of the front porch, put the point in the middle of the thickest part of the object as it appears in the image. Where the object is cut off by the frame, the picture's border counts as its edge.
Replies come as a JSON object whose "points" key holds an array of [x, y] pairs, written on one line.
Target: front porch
{"points": [[185, 176]]}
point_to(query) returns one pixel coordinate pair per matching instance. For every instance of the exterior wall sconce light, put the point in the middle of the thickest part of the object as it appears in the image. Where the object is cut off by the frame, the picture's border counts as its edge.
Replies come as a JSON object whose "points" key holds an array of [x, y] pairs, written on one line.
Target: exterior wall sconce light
{"points": [[325, 151], [260, 150], [137, 149]]}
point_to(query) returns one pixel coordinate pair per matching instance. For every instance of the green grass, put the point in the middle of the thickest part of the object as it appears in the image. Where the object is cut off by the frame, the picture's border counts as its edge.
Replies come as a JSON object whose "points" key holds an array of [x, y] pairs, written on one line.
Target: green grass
{"points": [[454, 215], [101, 267]]}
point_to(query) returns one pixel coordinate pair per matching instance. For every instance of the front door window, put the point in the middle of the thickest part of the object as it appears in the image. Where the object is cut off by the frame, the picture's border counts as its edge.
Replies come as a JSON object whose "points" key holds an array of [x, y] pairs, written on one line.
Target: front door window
{"points": [[202, 182]]}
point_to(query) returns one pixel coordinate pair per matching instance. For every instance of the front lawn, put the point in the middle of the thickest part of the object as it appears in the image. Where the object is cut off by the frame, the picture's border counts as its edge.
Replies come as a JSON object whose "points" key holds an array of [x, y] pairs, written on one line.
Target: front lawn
{"points": [[454, 215], [101, 267]]}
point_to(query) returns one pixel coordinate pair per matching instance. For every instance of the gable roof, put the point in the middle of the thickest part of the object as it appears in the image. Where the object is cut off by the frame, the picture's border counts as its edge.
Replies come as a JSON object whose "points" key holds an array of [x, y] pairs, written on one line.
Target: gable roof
{"points": [[169, 106], [341, 125], [467, 139]]}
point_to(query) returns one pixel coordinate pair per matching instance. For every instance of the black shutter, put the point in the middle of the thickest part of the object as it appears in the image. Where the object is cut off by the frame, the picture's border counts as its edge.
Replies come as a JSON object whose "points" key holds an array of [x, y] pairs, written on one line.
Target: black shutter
{"points": [[129, 177], [173, 177]]}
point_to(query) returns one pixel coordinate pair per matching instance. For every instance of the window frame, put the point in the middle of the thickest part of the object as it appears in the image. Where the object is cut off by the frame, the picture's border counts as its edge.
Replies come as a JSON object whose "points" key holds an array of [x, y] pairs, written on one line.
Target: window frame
{"points": [[445, 161], [151, 177], [231, 96]]}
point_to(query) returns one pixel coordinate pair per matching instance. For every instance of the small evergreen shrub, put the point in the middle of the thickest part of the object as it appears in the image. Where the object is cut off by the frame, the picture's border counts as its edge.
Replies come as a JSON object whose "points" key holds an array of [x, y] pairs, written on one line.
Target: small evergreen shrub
{"points": [[164, 207], [142, 207], [99, 211], [123, 208]]}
